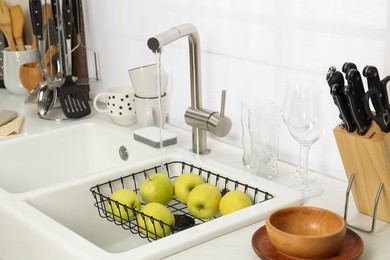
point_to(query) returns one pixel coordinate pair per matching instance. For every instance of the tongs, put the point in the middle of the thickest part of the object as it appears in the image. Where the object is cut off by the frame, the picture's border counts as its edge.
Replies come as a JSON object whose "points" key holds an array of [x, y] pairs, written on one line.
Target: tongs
{"points": [[377, 93]]}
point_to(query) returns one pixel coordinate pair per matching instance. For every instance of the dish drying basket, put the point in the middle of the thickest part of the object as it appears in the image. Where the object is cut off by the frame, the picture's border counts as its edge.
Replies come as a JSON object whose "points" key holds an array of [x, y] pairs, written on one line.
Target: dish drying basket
{"points": [[173, 169], [366, 161]]}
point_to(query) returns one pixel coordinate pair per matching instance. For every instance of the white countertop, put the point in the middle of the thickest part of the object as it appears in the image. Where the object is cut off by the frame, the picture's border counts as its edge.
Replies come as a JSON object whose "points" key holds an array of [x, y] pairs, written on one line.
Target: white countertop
{"points": [[237, 244]]}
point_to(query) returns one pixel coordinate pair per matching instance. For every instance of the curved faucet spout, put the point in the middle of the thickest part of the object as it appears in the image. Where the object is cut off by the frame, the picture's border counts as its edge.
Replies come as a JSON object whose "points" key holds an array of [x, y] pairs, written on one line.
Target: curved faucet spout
{"points": [[156, 43], [200, 119]]}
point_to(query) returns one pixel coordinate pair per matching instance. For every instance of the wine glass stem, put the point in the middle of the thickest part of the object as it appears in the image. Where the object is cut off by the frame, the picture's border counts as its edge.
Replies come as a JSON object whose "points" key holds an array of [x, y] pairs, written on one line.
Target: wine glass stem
{"points": [[304, 163], [299, 168]]}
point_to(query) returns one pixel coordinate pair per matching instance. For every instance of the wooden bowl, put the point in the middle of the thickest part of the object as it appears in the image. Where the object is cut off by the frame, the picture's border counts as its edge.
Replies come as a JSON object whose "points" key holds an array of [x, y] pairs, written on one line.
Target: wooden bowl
{"points": [[306, 232], [30, 75]]}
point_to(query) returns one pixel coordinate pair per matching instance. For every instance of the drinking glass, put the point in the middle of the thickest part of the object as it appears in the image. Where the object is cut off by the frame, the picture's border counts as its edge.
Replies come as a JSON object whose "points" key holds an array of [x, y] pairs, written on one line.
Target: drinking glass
{"points": [[248, 104], [302, 115], [264, 122]]}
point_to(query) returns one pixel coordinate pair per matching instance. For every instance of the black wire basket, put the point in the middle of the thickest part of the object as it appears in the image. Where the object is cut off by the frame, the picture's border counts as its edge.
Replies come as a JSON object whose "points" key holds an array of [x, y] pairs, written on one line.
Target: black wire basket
{"points": [[184, 219]]}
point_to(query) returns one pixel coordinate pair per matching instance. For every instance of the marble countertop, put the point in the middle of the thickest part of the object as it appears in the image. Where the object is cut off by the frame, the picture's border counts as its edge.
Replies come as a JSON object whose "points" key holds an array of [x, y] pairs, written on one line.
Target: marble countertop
{"points": [[237, 244]]}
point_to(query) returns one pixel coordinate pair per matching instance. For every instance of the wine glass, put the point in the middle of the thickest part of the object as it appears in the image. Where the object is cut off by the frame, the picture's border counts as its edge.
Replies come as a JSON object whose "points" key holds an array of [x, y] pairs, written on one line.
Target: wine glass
{"points": [[294, 178], [302, 116]]}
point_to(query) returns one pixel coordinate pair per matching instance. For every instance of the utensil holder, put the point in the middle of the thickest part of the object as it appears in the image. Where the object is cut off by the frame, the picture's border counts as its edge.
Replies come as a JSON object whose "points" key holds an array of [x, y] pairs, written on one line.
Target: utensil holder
{"points": [[366, 161]]}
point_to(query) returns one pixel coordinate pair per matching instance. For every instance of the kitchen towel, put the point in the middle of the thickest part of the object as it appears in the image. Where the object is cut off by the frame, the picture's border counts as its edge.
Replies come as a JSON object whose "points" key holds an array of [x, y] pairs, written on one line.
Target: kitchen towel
{"points": [[12, 128]]}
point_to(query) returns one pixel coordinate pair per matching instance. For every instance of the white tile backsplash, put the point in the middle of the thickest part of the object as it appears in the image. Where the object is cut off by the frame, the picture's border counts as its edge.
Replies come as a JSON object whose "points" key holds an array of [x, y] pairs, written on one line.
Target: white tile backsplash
{"points": [[249, 47]]}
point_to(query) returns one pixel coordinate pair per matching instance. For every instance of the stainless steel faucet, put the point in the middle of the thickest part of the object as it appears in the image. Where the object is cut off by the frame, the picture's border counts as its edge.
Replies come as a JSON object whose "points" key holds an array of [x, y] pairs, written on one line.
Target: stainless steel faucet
{"points": [[200, 119]]}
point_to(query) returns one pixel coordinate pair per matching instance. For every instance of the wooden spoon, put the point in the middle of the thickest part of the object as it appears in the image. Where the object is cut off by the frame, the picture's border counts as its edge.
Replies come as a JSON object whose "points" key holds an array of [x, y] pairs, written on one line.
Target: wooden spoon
{"points": [[5, 25], [17, 19]]}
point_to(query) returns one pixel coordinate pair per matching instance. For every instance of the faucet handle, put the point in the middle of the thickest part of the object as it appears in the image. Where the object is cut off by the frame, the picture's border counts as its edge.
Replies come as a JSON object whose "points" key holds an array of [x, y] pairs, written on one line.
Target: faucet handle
{"points": [[219, 124], [215, 122], [223, 103]]}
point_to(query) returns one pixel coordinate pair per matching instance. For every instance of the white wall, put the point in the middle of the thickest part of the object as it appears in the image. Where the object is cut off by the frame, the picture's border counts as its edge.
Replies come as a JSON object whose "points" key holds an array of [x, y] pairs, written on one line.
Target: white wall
{"points": [[249, 47]]}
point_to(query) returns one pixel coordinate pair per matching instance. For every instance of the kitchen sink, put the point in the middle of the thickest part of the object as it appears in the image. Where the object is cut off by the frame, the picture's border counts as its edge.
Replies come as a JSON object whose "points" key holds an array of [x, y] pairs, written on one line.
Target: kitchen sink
{"points": [[82, 215], [53, 202], [69, 152]]}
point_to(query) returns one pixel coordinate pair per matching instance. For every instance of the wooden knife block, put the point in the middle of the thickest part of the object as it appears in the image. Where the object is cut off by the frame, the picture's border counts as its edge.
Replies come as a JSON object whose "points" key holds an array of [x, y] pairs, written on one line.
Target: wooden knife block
{"points": [[368, 157]]}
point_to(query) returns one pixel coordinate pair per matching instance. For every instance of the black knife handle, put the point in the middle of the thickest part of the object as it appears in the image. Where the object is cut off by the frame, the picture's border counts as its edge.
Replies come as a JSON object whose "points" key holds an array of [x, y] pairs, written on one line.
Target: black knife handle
{"points": [[347, 66], [54, 9], [335, 81], [36, 18], [334, 77], [76, 15], [67, 16], [381, 116], [373, 81], [341, 102], [355, 94]]}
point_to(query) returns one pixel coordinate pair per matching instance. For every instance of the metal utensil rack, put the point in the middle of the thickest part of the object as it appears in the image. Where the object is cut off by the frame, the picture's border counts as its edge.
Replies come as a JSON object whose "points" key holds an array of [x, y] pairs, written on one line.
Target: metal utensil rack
{"points": [[173, 169]]}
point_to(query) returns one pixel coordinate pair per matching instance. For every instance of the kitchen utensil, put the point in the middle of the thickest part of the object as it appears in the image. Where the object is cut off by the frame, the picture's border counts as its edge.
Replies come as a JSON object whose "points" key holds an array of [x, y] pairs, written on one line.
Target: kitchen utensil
{"points": [[306, 232], [44, 8], [73, 102], [47, 93], [5, 25], [355, 94], [83, 52], [17, 19], [336, 83], [377, 94], [2, 46], [381, 115], [373, 81], [347, 66], [31, 74]]}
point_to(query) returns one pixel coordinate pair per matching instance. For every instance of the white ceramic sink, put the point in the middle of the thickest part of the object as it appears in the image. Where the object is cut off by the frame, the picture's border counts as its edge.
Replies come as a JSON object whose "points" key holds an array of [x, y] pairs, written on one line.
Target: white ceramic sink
{"points": [[61, 154], [70, 209], [48, 209]]}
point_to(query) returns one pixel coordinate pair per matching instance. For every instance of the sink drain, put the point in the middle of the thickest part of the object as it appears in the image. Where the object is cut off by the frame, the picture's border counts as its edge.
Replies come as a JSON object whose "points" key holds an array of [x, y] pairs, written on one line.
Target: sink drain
{"points": [[123, 153]]}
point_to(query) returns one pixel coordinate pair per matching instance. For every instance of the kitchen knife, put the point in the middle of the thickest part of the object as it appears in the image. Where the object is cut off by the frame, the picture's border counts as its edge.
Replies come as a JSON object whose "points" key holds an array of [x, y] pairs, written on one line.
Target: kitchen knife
{"points": [[381, 116], [347, 66], [336, 84], [373, 81], [377, 93], [67, 24], [354, 91]]}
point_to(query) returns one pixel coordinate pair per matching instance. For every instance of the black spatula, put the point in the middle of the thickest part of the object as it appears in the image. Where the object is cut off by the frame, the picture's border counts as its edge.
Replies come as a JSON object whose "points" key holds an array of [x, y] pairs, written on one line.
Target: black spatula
{"points": [[73, 102]]}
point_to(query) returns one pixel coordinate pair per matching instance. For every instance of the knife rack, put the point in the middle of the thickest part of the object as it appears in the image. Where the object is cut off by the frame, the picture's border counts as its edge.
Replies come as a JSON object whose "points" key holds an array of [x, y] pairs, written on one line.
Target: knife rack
{"points": [[368, 159]]}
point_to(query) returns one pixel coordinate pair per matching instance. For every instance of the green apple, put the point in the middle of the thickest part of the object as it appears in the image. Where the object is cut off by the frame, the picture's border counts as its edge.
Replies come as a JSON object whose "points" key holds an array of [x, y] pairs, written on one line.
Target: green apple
{"points": [[157, 188], [203, 201], [126, 197], [234, 200], [184, 185], [154, 228]]}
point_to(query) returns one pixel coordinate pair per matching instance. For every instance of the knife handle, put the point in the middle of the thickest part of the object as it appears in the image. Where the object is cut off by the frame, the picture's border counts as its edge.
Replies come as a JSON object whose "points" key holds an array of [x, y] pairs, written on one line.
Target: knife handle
{"points": [[348, 66], [342, 104], [334, 77], [355, 94], [381, 116], [67, 16], [373, 81], [76, 15], [36, 18]]}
